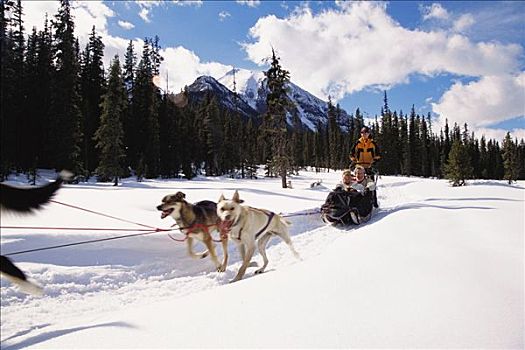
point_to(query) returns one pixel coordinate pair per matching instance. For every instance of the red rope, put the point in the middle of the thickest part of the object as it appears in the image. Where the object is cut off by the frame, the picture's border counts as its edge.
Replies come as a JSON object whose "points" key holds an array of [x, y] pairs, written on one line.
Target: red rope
{"points": [[102, 214], [74, 228], [223, 229]]}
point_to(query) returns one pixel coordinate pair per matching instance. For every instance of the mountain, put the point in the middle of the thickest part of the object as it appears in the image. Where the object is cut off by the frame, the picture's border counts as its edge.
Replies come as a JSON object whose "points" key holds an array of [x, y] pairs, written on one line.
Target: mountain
{"points": [[310, 109], [250, 97], [204, 85]]}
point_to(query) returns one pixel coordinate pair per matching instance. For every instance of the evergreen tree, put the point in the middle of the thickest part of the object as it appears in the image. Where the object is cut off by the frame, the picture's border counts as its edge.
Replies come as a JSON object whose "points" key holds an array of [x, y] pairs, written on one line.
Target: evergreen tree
{"points": [[66, 125], [131, 128], [43, 96], [109, 136], [31, 111], [424, 146], [275, 118], [92, 89], [521, 159], [511, 161], [483, 159], [250, 147], [334, 148], [458, 168], [169, 120], [404, 158], [146, 99], [8, 77], [156, 58], [212, 128], [18, 102]]}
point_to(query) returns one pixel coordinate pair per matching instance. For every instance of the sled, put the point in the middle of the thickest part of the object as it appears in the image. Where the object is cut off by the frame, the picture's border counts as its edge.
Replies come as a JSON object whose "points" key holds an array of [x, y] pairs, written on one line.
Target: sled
{"points": [[350, 207]]}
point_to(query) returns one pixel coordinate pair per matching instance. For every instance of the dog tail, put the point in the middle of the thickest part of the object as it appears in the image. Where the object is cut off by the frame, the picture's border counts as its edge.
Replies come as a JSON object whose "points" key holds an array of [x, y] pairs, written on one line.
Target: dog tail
{"points": [[25, 200], [16, 276]]}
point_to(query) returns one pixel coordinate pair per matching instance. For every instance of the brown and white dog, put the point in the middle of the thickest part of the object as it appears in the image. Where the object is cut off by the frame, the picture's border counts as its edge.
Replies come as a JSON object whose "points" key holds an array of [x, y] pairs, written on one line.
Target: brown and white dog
{"points": [[25, 200], [248, 225], [196, 221]]}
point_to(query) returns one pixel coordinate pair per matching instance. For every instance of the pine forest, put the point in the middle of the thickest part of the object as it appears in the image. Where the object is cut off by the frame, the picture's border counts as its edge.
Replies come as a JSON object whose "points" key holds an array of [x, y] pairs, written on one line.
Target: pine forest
{"points": [[62, 109]]}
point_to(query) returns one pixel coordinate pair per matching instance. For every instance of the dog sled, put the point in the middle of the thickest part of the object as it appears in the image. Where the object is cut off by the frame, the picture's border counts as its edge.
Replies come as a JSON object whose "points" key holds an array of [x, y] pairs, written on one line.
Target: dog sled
{"points": [[351, 207]]}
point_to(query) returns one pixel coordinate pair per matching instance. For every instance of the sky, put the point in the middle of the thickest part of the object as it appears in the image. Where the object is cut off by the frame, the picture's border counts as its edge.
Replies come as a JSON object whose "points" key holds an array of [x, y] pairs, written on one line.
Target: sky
{"points": [[460, 61], [451, 279]]}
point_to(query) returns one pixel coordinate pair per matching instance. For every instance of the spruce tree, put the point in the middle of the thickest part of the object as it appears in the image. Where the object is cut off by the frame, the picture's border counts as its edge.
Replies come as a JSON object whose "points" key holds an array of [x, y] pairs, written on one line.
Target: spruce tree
{"points": [[213, 135], [511, 161], [458, 168], [521, 159], [43, 96], [7, 83], [19, 102], [131, 128], [275, 117], [334, 148], [92, 90], [31, 108], [109, 136], [66, 123], [146, 99]]}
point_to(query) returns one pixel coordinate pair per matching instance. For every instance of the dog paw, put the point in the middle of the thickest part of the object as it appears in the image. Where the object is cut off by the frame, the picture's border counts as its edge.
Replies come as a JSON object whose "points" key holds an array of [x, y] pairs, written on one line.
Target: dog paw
{"points": [[221, 268], [259, 271]]}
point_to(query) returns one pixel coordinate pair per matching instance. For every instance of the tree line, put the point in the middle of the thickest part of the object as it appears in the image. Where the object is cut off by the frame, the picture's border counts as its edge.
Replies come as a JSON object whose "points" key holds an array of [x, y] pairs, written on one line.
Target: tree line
{"points": [[61, 109]]}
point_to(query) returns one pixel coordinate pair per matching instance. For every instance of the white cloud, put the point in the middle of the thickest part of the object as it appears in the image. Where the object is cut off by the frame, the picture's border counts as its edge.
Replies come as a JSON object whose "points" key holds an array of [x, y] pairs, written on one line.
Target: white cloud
{"points": [[223, 15], [183, 66], [196, 3], [338, 52], [148, 3], [434, 11], [34, 12], [359, 46], [481, 103], [126, 25], [86, 14], [145, 8], [463, 22], [144, 14], [249, 3], [499, 134]]}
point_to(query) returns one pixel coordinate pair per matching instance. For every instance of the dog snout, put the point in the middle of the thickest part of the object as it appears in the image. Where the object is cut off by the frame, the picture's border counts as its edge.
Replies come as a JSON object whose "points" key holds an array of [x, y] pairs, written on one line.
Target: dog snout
{"points": [[159, 207]]}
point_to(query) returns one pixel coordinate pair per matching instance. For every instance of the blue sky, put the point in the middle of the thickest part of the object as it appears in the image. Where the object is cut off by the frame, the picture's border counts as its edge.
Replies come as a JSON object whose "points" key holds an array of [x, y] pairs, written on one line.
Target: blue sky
{"points": [[464, 61]]}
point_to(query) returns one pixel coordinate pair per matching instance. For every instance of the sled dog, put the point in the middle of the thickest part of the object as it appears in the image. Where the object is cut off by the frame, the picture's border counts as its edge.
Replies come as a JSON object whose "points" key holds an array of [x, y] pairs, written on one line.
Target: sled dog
{"points": [[25, 200], [248, 225], [196, 221]]}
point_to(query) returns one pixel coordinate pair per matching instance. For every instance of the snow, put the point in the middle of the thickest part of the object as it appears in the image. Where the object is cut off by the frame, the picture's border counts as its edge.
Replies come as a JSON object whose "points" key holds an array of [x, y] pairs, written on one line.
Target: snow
{"points": [[436, 267]]}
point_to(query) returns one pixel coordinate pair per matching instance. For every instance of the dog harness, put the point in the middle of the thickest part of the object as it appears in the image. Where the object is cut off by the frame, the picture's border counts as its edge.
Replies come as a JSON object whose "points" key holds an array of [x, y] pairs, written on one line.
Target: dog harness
{"points": [[270, 217]]}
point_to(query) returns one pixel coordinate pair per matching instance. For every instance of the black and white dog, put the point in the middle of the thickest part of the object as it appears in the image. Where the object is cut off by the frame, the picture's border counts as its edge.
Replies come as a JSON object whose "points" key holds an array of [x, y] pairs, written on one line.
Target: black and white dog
{"points": [[25, 200]]}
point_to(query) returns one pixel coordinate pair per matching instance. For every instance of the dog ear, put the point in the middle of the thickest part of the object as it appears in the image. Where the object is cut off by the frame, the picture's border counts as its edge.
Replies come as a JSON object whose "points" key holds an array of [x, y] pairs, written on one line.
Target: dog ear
{"points": [[236, 197], [221, 198], [179, 196]]}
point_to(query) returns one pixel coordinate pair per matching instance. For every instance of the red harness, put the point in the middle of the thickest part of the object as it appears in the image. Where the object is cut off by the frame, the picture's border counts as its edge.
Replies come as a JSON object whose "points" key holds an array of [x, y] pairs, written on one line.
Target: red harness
{"points": [[223, 229]]}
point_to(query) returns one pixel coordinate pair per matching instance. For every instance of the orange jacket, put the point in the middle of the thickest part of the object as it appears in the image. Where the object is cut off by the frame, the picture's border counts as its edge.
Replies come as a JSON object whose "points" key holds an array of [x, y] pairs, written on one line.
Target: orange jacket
{"points": [[365, 152]]}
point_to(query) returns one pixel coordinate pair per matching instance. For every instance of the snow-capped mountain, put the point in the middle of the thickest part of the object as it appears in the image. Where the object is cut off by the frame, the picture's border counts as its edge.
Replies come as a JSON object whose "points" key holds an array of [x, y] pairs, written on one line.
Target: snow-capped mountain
{"points": [[226, 98], [251, 96]]}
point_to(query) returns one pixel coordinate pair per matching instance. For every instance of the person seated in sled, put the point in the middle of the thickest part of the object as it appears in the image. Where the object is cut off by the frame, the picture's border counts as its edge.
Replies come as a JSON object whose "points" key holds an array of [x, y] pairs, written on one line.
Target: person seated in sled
{"points": [[347, 180], [366, 187], [351, 200], [365, 152]]}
